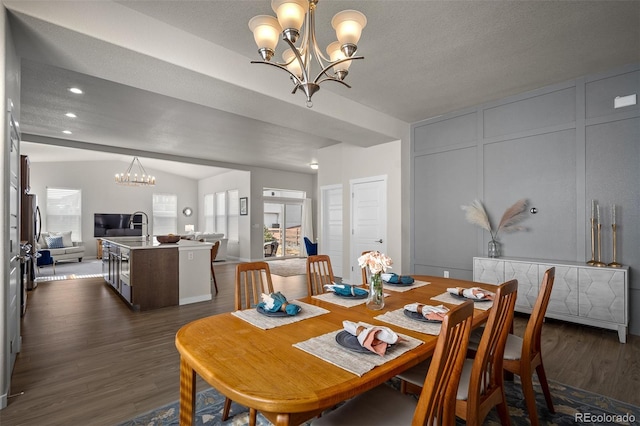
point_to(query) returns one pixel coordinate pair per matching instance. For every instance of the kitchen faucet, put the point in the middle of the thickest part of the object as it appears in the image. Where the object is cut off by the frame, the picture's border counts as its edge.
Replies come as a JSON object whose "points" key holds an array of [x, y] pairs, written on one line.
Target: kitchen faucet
{"points": [[144, 223]]}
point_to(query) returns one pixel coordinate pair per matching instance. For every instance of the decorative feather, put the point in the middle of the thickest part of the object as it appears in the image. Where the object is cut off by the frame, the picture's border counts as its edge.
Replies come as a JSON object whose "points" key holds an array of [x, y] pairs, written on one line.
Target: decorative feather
{"points": [[476, 215], [512, 216]]}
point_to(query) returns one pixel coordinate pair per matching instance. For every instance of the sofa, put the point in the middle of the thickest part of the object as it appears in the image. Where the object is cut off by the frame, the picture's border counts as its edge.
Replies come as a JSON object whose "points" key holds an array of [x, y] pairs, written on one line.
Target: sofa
{"points": [[60, 246], [210, 238]]}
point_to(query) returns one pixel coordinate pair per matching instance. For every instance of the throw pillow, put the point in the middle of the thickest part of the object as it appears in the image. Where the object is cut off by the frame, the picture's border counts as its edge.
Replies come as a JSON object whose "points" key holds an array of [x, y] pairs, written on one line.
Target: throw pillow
{"points": [[66, 238], [54, 242], [43, 240]]}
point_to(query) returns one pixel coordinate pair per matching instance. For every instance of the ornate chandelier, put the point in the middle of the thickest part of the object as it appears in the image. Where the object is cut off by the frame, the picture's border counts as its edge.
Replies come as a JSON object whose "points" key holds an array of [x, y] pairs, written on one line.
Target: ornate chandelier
{"points": [[297, 59], [135, 175]]}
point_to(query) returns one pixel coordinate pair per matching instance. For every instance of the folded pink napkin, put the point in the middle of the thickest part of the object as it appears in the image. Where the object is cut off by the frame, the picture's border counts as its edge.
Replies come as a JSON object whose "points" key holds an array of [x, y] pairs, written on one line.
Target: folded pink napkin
{"points": [[374, 338], [434, 313], [471, 293]]}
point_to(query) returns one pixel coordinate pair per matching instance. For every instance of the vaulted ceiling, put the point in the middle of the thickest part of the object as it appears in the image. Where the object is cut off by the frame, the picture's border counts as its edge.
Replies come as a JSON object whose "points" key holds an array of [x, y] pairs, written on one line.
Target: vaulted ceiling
{"points": [[173, 79]]}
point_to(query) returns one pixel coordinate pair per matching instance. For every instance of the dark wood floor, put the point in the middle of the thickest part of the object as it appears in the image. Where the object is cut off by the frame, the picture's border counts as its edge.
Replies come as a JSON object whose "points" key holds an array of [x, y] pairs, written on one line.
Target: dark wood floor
{"points": [[87, 359]]}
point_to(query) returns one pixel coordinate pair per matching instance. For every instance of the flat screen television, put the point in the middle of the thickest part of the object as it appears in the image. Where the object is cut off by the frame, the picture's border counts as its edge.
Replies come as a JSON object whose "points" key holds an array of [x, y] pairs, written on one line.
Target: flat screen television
{"points": [[115, 225]]}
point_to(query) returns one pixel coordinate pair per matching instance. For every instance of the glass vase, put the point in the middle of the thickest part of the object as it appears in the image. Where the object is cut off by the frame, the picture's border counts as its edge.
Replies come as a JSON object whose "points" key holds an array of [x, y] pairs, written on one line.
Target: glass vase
{"points": [[494, 249], [375, 300]]}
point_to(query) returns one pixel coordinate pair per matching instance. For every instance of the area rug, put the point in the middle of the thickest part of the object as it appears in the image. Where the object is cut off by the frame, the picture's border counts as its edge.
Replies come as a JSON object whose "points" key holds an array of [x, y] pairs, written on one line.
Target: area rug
{"points": [[70, 270], [573, 406], [288, 267]]}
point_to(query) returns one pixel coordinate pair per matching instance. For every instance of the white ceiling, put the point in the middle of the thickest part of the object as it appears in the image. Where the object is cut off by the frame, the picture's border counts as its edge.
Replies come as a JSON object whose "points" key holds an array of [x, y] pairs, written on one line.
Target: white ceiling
{"points": [[172, 79]]}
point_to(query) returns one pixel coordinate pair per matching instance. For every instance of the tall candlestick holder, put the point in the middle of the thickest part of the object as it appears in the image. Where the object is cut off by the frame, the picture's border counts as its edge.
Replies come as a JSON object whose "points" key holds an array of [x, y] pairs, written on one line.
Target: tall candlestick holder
{"points": [[592, 262], [614, 264], [599, 262]]}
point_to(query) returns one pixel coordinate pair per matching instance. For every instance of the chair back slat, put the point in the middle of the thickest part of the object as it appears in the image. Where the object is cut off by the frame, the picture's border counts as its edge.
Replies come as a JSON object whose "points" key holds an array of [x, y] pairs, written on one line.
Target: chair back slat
{"points": [[252, 279], [319, 273], [531, 340], [487, 366], [436, 405]]}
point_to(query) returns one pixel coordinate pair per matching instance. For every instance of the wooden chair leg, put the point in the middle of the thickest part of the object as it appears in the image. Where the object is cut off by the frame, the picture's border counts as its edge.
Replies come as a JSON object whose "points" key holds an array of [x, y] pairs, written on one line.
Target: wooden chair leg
{"points": [[213, 274], [529, 397], [503, 411], [226, 409], [252, 416], [542, 377]]}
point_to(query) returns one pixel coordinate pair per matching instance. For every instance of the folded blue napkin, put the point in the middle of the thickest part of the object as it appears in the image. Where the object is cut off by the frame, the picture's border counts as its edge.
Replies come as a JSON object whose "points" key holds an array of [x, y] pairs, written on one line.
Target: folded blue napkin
{"points": [[276, 302], [346, 290], [400, 279]]}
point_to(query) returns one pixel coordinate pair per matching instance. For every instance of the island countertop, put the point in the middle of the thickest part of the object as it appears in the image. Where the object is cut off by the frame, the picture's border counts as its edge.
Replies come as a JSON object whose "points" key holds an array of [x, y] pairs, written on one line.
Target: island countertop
{"points": [[137, 243]]}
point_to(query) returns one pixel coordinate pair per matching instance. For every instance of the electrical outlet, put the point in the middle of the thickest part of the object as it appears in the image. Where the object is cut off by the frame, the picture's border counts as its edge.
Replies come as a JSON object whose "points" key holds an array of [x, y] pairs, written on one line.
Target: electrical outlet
{"points": [[190, 255], [446, 274]]}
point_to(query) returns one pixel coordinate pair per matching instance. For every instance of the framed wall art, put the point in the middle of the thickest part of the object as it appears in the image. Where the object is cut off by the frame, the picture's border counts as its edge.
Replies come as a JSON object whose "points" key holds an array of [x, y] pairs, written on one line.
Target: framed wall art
{"points": [[244, 206]]}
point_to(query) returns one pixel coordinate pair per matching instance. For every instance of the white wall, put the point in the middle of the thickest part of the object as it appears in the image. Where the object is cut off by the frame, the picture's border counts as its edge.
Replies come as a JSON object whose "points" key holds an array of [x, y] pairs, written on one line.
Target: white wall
{"points": [[338, 164], [232, 180], [100, 194]]}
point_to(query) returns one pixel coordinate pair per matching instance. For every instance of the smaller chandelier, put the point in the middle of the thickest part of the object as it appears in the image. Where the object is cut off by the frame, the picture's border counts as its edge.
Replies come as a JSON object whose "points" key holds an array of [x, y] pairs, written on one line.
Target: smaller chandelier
{"points": [[297, 60], [135, 175]]}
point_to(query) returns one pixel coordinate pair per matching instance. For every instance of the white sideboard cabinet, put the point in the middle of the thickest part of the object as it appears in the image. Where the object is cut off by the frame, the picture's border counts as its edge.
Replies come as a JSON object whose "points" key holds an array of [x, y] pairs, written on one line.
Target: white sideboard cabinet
{"points": [[581, 293]]}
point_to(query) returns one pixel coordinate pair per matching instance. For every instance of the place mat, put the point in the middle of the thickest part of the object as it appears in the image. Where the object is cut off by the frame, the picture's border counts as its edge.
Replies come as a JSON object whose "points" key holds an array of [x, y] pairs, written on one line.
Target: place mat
{"points": [[446, 297], [327, 349], [253, 317], [398, 318], [402, 288], [337, 300]]}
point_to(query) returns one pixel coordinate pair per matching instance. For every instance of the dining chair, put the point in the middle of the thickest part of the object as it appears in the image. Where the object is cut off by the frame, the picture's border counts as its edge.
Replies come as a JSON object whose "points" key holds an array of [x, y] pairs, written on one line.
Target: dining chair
{"points": [[252, 279], [384, 405], [523, 355], [214, 254], [365, 279], [482, 383], [319, 273]]}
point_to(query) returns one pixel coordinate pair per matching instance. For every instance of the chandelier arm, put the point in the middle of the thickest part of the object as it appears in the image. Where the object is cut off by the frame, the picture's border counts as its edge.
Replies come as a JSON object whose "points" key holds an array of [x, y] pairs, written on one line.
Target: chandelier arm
{"points": [[280, 67], [333, 79], [305, 71], [144, 172], [325, 69]]}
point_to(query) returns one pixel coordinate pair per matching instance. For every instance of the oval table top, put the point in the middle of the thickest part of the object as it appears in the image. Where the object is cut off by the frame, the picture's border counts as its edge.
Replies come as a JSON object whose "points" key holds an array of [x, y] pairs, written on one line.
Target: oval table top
{"points": [[262, 369]]}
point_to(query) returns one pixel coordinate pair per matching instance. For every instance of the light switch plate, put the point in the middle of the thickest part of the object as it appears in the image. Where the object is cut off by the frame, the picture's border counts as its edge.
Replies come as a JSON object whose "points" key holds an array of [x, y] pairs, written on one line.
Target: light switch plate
{"points": [[623, 101]]}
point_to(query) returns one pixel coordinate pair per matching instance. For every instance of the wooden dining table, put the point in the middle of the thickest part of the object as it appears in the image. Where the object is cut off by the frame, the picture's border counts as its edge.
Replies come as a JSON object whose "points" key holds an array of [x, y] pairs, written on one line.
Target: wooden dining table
{"points": [[261, 369]]}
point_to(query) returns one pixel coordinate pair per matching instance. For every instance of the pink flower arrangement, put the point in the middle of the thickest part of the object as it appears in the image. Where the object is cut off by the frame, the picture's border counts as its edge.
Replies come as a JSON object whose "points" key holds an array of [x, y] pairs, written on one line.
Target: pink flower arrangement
{"points": [[376, 262]]}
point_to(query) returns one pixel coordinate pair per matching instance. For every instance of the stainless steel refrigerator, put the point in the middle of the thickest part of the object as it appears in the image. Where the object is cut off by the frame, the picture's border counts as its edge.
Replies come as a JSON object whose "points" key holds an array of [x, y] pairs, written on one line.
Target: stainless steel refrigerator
{"points": [[30, 227]]}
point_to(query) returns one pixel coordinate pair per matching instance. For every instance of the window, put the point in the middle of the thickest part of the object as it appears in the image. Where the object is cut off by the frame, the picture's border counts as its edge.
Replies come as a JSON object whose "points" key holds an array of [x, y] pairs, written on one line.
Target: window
{"points": [[232, 219], [221, 213], [64, 211], [165, 214], [209, 214]]}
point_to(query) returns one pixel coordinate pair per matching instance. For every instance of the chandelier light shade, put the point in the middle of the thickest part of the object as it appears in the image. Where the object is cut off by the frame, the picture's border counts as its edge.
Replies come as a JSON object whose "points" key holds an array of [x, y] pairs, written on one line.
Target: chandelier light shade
{"points": [[135, 175], [294, 17]]}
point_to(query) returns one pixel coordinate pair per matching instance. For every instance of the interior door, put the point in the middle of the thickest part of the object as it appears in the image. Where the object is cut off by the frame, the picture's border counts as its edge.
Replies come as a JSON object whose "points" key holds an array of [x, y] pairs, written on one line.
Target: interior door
{"points": [[332, 239], [368, 220]]}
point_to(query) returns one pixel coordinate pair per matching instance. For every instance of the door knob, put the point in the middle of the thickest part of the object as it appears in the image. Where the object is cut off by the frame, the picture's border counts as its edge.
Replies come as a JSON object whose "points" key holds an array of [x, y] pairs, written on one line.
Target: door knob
{"points": [[378, 241]]}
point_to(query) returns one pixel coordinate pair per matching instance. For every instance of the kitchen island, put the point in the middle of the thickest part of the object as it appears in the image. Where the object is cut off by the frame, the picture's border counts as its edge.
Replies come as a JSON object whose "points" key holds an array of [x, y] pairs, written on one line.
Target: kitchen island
{"points": [[149, 275]]}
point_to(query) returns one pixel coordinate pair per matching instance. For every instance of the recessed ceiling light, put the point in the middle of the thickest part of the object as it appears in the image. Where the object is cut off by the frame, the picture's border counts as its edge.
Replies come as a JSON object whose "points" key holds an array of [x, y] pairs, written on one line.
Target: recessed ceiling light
{"points": [[71, 115], [66, 132], [75, 90], [314, 166]]}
